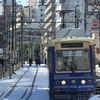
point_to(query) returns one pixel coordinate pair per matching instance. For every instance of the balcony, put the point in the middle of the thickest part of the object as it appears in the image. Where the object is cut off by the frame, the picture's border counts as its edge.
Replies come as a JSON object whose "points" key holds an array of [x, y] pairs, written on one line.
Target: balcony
{"points": [[58, 22], [48, 24], [51, 29], [48, 2], [49, 16], [50, 7], [45, 34], [62, 7]]}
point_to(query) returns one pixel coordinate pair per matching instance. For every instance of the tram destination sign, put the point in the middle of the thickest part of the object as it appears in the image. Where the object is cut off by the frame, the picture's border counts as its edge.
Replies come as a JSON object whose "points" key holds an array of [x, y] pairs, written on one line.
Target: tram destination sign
{"points": [[71, 45]]}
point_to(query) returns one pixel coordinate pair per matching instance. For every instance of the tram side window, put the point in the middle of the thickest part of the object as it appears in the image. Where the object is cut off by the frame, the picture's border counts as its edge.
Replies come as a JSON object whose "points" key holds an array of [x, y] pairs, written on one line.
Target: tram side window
{"points": [[50, 60]]}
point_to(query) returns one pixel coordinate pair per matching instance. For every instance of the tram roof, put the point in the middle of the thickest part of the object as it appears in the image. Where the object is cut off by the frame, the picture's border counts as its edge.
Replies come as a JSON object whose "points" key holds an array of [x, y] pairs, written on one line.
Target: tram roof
{"points": [[71, 39]]}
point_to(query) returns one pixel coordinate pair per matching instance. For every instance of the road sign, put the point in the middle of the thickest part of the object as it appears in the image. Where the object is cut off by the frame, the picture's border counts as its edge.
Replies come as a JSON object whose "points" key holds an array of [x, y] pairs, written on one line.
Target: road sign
{"points": [[95, 22]]}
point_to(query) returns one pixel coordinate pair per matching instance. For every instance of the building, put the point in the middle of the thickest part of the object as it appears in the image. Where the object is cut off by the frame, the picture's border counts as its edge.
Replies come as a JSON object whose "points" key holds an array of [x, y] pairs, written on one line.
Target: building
{"points": [[63, 14], [69, 14], [31, 3], [49, 26], [94, 28]]}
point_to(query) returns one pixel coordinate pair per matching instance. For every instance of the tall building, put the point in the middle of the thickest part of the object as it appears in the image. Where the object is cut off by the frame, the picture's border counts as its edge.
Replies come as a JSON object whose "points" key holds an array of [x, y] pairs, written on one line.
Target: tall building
{"points": [[62, 14], [31, 2], [69, 13], [35, 13], [49, 24]]}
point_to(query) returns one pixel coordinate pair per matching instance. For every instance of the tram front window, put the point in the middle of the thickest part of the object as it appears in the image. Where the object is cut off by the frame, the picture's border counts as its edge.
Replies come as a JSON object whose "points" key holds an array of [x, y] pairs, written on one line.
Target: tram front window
{"points": [[72, 60]]}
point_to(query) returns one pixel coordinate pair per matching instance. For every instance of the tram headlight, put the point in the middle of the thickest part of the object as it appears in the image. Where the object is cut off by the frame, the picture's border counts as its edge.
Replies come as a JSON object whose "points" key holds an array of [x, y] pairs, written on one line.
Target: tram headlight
{"points": [[63, 82], [57, 82], [83, 82], [89, 81]]}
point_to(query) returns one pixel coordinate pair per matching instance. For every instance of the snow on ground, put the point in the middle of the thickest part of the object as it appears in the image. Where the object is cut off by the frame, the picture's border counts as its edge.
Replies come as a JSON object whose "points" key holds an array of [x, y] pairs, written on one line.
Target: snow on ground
{"points": [[40, 90], [41, 85], [97, 68], [95, 97]]}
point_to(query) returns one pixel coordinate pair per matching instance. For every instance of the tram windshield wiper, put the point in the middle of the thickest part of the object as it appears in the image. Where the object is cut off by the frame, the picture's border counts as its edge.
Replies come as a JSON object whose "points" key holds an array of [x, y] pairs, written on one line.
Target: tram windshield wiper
{"points": [[71, 68]]}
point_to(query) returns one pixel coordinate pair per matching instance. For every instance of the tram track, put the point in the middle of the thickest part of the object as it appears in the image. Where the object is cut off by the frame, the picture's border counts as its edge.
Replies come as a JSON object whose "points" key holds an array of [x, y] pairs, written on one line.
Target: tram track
{"points": [[28, 89], [10, 90], [30, 92]]}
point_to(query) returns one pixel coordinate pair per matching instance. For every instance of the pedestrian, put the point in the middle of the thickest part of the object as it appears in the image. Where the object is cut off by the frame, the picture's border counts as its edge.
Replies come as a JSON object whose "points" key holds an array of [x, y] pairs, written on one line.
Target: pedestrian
{"points": [[99, 64], [37, 61], [45, 60], [30, 61], [2, 61]]}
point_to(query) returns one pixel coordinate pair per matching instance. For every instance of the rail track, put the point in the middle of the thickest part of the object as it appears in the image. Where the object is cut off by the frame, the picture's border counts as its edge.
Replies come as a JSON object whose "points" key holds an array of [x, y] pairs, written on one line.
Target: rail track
{"points": [[27, 90]]}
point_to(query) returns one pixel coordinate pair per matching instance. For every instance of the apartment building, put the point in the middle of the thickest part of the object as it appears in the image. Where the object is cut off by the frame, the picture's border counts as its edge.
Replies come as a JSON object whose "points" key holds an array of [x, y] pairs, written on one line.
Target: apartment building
{"points": [[69, 13], [94, 29], [49, 24], [31, 3], [63, 14]]}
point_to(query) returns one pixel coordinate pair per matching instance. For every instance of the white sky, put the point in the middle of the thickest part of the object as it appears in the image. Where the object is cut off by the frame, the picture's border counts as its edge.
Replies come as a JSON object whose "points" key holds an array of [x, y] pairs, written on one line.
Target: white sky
{"points": [[23, 2], [40, 90]]}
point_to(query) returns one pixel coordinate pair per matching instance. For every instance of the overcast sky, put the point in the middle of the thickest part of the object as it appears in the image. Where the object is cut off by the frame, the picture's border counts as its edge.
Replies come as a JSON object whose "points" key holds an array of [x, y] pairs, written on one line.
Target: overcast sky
{"points": [[23, 2]]}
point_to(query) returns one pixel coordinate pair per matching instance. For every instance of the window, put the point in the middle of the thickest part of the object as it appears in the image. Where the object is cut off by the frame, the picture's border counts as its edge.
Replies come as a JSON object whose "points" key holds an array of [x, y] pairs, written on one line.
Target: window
{"points": [[57, 3], [33, 16], [72, 60], [62, 1], [57, 16], [33, 11]]}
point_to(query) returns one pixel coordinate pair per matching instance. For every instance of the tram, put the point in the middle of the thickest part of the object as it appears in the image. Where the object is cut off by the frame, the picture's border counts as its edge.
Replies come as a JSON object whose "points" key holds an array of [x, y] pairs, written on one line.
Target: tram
{"points": [[71, 67]]}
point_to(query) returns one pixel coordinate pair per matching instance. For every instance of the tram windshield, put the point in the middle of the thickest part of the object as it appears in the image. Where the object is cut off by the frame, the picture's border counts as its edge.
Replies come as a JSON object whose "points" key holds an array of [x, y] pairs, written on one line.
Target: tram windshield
{"points": [[72, 60]]}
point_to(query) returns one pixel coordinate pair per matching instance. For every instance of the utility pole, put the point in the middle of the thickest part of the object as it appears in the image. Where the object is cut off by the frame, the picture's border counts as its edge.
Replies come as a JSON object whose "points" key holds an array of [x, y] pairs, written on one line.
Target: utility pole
{"points": [[13, 35], [21, 38], [75, 16], [15, 31], [5, 33], [63, 16], [85, 11]]}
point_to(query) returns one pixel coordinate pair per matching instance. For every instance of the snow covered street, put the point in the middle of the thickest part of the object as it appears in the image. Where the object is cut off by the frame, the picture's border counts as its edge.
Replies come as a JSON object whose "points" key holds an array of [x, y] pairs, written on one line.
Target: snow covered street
{"points": [[20, 92], [40, 87]]}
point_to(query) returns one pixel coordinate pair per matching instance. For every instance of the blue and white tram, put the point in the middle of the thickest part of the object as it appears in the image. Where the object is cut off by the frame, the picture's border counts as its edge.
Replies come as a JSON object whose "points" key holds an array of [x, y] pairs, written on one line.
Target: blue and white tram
{"points": [[71, 66]]}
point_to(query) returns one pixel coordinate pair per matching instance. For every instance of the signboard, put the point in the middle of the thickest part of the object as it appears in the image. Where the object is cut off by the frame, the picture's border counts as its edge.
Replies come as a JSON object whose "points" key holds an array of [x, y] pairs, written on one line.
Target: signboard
{"points": [[71, 45], [95, 22]]}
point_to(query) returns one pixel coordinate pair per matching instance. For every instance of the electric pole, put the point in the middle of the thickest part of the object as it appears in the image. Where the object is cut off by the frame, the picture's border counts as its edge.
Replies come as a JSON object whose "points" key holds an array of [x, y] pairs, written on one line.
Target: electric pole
{"points": [[5, 33], [13, 35], [15, 47], [22, 37], [85, 12], [76, 16]]}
